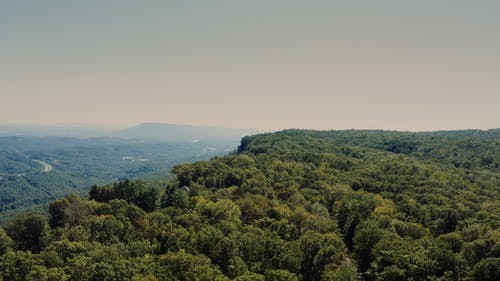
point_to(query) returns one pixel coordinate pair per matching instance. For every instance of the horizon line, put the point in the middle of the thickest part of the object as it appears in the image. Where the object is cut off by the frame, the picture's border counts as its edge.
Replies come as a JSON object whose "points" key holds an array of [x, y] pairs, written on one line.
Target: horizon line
{"points": [[103, 126]]}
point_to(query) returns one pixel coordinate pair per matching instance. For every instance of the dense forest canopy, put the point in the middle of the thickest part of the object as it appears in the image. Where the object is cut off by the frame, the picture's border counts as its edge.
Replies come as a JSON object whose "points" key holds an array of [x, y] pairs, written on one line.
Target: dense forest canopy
{"points": [[286, 206]]}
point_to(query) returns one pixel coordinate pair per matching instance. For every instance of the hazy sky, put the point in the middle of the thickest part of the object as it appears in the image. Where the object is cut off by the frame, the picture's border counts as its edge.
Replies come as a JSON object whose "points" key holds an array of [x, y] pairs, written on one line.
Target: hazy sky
{"points": [[407, 65]]}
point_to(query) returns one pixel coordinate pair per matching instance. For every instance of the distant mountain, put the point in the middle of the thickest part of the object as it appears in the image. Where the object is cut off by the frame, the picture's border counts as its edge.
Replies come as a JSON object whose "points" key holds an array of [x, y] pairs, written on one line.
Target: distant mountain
{"points": [[183, 133], [156, 132], [75, 131]]}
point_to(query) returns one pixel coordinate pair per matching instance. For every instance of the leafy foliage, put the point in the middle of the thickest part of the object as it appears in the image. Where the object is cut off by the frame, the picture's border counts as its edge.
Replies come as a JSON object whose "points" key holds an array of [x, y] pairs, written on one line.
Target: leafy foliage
{"points": [[293, 205]]}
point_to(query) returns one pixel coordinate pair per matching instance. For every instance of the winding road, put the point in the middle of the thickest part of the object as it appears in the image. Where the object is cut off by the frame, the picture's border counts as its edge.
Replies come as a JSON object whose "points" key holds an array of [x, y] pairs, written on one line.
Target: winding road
{"points": [[46, 166]]}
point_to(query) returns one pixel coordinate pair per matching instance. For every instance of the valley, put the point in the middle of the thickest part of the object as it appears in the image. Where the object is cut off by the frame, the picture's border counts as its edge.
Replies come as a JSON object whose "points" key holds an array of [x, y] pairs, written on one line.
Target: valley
{"points": [[35, 169]]}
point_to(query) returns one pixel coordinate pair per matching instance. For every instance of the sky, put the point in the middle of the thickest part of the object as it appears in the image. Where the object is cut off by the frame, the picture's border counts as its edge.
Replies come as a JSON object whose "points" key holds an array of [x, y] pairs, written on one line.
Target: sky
{"points": [[397, 65]]}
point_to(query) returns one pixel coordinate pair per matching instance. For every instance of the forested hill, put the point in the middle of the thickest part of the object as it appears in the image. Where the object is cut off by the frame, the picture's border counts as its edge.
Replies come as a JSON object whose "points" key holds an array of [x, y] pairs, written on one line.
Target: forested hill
{"points": [[292, 205]]}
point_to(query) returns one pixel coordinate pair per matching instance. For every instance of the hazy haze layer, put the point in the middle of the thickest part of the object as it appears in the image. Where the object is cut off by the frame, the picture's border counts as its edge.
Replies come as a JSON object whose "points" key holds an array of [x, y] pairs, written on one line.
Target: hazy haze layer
{"points": [[408, 65]]}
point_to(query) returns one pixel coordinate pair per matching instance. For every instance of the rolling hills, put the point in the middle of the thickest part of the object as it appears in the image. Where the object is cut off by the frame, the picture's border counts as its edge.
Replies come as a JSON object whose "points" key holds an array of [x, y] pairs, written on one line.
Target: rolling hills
{"points": [[41, 163], [291, 205]]}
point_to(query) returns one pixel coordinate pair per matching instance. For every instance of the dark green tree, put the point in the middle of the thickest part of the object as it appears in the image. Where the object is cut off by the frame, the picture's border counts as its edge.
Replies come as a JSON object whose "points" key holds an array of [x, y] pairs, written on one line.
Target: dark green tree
{"points": [[29, 232]]}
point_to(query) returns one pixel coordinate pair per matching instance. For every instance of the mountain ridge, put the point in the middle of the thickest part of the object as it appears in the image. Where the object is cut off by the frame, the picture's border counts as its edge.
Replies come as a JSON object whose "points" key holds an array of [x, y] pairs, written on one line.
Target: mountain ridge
{"points": [[153, 131]]}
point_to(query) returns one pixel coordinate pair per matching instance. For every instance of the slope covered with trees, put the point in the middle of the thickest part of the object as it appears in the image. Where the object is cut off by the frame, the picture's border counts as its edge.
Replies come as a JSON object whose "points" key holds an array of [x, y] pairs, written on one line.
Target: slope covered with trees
{"points": [[292, 205]]}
